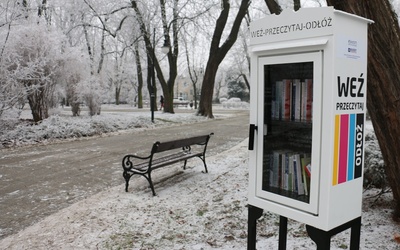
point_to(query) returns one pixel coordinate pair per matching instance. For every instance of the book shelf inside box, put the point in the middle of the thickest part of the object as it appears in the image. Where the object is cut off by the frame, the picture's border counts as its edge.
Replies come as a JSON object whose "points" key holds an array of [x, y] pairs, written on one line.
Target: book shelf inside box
{"points": [[287, 160], [288, 123]]}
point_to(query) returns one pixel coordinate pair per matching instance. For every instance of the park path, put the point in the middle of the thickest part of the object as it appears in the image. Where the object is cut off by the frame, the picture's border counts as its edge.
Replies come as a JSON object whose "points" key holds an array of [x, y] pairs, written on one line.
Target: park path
{"points": [[37, 181]]}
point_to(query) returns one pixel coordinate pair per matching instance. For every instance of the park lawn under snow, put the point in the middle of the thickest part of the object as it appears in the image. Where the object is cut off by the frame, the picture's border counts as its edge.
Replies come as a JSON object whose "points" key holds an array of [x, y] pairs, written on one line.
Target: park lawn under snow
{"points": [[191, 211], [61, 125]]}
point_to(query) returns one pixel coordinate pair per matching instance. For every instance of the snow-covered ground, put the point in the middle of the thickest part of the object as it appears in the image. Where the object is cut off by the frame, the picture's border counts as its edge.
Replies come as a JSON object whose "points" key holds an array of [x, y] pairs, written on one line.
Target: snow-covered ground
{"points": [[191, 211], [61, 125]]}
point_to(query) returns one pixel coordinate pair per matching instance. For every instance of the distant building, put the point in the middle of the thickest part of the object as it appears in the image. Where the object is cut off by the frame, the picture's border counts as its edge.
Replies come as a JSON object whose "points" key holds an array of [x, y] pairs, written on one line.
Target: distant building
{"points": [[183, 88]]}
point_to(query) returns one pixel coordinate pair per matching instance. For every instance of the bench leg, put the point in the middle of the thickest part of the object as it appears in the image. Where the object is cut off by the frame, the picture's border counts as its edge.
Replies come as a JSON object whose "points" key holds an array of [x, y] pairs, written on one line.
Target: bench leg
{"points": [[204, 162], [184, 165], [127, 177], [150, 183], [152, 188], [203, 158]]}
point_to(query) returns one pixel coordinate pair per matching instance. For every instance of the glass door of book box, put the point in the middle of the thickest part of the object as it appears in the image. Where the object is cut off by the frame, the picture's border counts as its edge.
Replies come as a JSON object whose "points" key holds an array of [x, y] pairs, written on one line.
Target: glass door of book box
{"points": [[289, 117]]}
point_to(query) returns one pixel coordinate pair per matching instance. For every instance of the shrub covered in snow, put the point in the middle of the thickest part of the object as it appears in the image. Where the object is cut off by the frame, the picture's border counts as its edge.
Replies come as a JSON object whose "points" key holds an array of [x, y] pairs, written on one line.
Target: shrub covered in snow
{"points": [[17, 132], [374, 166], [223, 99], [234, 103]]}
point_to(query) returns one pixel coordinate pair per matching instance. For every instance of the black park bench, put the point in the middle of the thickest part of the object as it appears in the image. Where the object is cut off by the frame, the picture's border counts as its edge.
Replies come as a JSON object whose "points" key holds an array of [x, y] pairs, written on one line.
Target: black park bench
{"points": [[163, 154]]}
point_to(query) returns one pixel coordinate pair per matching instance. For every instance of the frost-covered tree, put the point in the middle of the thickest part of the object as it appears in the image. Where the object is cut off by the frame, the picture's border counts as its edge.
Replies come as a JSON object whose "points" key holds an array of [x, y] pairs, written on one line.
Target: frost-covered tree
{"points": [[194, 68], [30, 63], [11, 93], [120, 74], [38, 63], [219, 85], [73, 73]]}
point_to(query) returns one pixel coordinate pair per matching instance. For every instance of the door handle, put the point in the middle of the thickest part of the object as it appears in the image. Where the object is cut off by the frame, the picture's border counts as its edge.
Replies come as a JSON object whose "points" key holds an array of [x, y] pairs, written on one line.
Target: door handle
{"points": [[252, 130]]}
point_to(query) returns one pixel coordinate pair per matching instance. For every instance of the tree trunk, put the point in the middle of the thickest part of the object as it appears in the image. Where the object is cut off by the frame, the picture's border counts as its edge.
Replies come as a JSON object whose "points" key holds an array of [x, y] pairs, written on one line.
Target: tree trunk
{"points": [[117, 94], [207, 93], [383, 92], [296, 5], [217, 54], [273, 6], [139, 76], [102, 50], [38, 101], [150, 81]]}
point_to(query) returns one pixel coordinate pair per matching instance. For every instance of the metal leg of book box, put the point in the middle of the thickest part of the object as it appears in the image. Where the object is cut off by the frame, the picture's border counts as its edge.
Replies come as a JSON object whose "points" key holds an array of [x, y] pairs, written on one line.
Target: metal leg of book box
{"points": [[321, 238], [254, 214]]}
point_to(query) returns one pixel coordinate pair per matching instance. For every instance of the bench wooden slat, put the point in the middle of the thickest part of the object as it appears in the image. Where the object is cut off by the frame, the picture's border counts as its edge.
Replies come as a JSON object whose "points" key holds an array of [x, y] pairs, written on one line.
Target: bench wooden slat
{"points": [[166, 160], [175, 160], [169, 145]]}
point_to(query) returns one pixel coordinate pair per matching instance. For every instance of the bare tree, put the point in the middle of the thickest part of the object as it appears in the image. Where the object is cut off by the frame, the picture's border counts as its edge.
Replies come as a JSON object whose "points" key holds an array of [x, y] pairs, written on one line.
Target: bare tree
{"points": [[383, 82], [171, 26], [218, 53], [153, 62], [174, 15], [195, 72], [90, 20]]}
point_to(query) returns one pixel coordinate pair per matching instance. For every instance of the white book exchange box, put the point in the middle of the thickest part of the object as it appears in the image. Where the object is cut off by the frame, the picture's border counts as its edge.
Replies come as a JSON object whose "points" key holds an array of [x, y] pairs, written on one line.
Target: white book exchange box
{"points": [[308, 105]]}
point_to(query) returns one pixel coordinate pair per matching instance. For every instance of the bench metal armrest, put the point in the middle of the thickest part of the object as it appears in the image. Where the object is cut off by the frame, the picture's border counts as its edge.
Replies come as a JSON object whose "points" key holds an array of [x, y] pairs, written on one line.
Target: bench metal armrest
{"points": [[127, 163]]}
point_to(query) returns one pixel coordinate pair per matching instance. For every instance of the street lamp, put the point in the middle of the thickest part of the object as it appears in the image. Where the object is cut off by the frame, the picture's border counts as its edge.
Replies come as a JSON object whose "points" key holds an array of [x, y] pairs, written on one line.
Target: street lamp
{"points": [[153, 80], [165, 47]]}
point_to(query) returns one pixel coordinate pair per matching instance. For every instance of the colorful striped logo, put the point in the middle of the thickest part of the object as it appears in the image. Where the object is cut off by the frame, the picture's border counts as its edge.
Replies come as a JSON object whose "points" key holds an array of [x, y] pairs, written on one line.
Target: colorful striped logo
{"points": [[348, 148]]}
